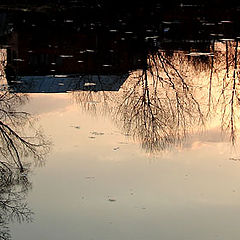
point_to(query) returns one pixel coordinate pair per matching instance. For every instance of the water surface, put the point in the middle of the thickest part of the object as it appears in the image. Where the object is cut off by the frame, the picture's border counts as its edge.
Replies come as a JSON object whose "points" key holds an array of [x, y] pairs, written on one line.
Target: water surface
{"points": [[119, 126]]}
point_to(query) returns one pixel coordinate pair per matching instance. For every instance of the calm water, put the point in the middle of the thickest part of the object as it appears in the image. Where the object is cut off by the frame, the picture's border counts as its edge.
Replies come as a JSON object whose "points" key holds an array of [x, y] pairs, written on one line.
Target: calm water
{"points": [[119, 126]]}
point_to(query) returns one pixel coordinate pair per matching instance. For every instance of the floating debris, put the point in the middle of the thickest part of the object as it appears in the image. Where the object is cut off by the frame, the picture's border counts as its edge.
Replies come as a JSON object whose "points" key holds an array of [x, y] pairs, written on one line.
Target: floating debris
{"points": [[90, 50], [226, 39], [18, 60], [66, 56], [208, 24], [107, 65], [17, 81], [116, 148], [77, 127], [112, 200], [164, 22], [89, 84], [216, 34], [226, 21], [90, 177], [153, 37], [97, 133], [197, 54], [60, 76], [68, 21]]}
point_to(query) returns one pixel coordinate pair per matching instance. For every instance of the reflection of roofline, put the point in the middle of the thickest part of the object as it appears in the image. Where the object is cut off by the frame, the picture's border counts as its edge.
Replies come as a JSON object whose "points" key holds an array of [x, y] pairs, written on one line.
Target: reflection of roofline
{"points": [[65, 83]]}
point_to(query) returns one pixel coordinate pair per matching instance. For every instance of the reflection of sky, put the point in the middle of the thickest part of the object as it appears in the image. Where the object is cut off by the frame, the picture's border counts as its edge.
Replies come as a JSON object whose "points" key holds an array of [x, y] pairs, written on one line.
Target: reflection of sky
{"points": [[189, 193]]}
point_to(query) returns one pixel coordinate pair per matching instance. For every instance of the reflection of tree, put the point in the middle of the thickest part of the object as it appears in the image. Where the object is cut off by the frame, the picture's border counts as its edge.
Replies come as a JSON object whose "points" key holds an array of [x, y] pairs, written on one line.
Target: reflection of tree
{"points": [[159, 104], [19, 137], [90, 101], [14, 186], [219, 80], [156, 105], [15, 141], [227, 75], [19, 140], [159, 108]]}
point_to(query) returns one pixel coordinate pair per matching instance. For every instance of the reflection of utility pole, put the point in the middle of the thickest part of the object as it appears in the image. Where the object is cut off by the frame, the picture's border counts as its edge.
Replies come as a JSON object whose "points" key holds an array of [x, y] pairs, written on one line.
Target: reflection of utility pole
{"points": [[210, 78], [227, 66], [3, 62], [232, 120]]}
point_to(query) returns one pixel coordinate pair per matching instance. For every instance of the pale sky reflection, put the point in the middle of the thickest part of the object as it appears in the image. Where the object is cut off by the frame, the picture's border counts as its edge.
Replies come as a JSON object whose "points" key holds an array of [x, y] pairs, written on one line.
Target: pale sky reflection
{"points": [[189, 191], [193, 190]]}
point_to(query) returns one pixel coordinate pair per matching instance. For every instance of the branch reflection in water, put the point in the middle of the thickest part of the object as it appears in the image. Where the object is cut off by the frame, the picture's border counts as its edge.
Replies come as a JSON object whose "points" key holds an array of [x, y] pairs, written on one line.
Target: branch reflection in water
{"points": [[226, 71], [176, 93], [13, 205], [20, 140], [156, 105]]}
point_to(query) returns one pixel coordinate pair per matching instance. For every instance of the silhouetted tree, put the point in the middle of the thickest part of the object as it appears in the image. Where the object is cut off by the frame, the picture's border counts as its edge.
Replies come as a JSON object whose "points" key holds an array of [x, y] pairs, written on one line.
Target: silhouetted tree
{"points": [[15, 140], [14, 186], [19, 139]]}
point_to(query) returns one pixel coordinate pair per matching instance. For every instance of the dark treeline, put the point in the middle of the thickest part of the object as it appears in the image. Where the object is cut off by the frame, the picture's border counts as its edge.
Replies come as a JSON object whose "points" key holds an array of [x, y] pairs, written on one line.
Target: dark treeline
{"points": [[109, 2], [114, 37], [139, 8]]}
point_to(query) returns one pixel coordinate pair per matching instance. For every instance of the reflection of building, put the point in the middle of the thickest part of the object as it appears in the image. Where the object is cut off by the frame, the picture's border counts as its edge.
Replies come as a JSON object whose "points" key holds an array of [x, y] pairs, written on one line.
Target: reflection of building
{"points": [[44, 47], [42, 53], [61, 83]]}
